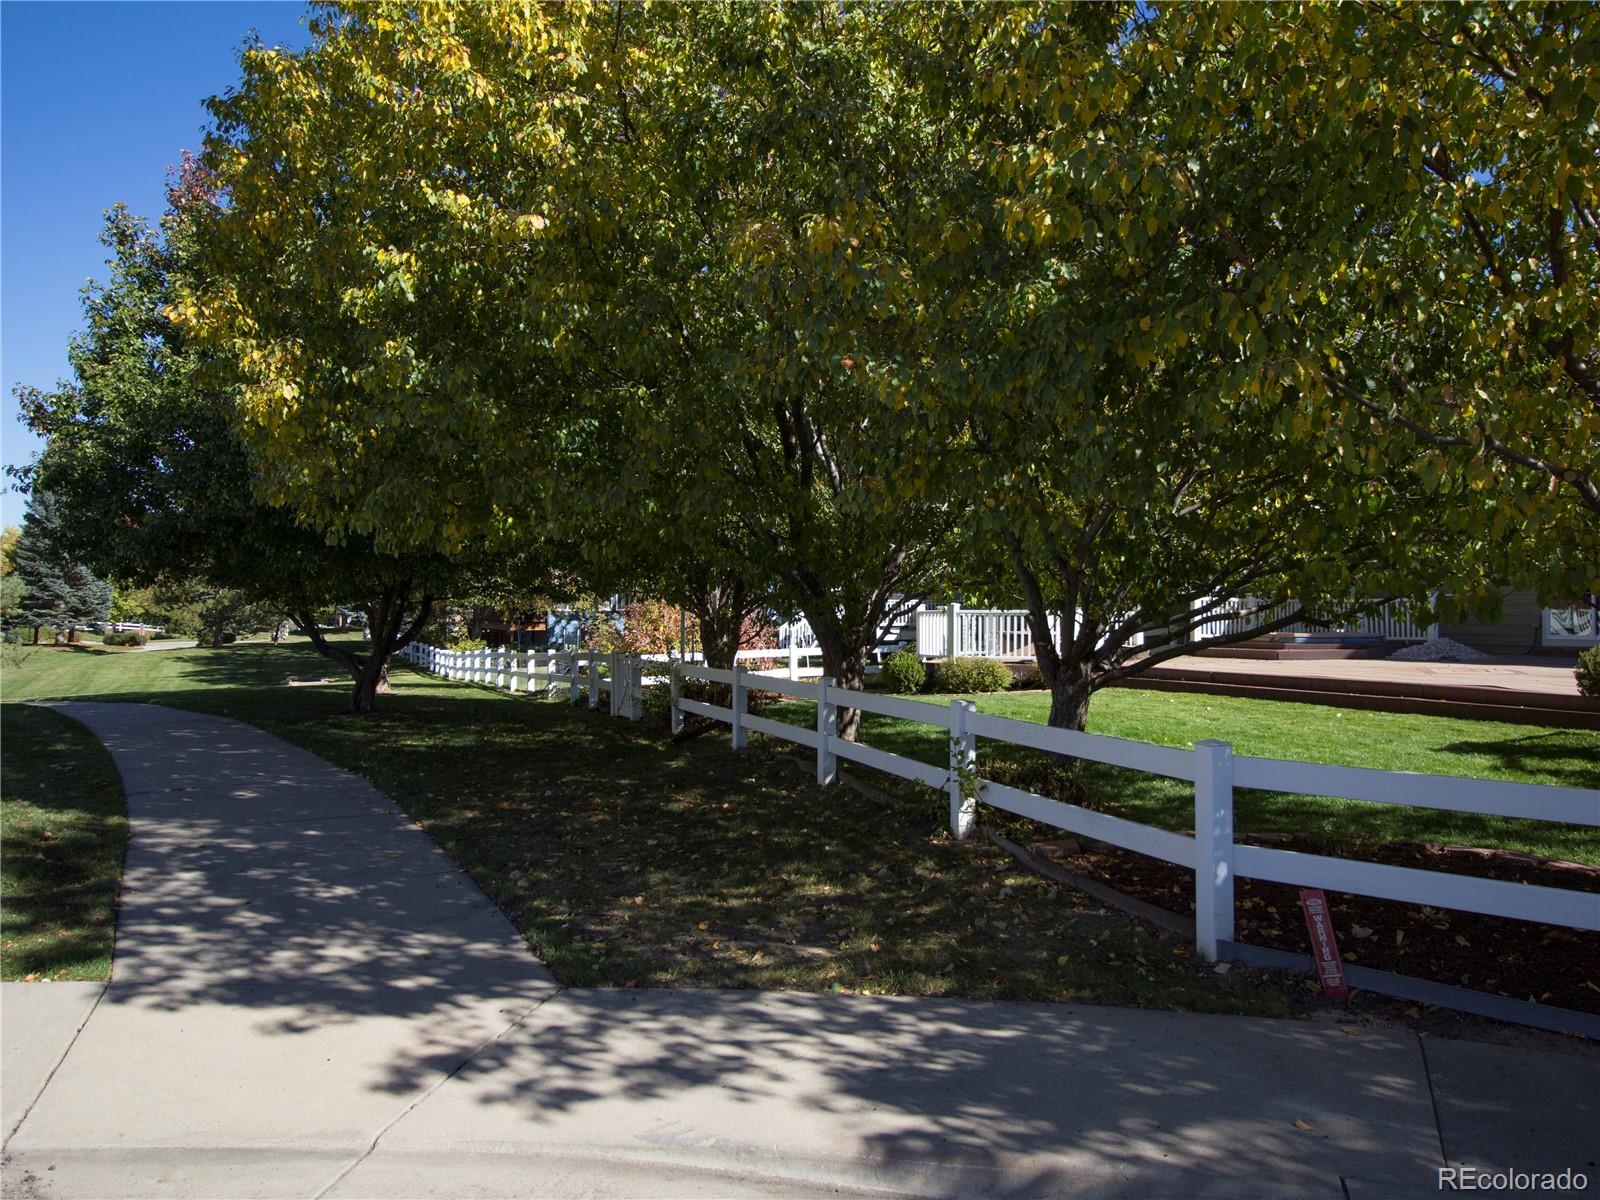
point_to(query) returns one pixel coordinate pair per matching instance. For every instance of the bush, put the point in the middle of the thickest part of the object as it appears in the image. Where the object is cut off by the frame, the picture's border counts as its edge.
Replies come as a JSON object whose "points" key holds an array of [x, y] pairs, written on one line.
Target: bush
{"points": [[973, 675], [655, 709], [468, 644], [1588, 672], [1030, 680], [903, 672], [127, 637]]}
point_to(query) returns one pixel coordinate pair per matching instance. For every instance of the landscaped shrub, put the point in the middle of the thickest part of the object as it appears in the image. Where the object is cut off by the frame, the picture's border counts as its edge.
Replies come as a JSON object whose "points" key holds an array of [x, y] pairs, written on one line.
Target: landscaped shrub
{"points": [[903, 672], [1030, 680], [468, 644], [126, 637], [655, 709], [1588, 672], [973, 675]]}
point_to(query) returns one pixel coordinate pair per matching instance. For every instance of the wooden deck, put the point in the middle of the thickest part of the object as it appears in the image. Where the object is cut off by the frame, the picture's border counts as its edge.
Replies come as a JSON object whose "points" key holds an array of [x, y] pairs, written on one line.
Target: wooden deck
{"points": [[1525, 690]]}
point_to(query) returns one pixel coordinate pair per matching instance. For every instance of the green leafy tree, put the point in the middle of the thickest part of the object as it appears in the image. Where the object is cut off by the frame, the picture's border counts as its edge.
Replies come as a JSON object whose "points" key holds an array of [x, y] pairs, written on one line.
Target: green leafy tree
{"points": [[143, 448], [543, 220], [1195, 220]]}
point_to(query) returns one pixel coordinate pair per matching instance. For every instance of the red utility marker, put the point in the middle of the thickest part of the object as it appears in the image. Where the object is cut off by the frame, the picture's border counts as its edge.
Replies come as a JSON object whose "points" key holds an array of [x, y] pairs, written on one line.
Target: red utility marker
{"points": [[1324, 946]]}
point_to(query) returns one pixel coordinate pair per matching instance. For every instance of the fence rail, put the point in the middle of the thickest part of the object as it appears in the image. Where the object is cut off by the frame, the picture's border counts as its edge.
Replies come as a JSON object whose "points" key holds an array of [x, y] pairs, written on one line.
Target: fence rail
{"points": [[1211, 852]]}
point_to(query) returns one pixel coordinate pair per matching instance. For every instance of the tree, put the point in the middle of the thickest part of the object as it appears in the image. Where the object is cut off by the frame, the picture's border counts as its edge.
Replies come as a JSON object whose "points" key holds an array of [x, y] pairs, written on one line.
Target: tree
{"points": [[1464, 231], [60, 592], [143, 448], [544, 218], [12, 590], [1137, 394], [8, 547]]}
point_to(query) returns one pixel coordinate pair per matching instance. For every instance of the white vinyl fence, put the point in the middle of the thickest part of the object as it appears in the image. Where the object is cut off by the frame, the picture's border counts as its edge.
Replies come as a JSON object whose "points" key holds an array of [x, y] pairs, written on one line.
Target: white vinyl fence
{"points": [[568, 673], [1212, 853]]}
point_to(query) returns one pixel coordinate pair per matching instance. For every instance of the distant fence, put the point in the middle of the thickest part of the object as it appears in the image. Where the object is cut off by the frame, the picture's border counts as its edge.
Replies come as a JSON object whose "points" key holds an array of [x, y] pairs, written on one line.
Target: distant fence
{"points": [[1212, 853], [572, 674]]}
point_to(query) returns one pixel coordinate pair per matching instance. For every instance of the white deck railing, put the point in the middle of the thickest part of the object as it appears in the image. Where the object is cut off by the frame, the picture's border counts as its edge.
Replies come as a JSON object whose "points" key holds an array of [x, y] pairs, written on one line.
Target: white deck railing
{"points": [[1392, 622], [982, 633], [1215, 771], [1005, 632]]}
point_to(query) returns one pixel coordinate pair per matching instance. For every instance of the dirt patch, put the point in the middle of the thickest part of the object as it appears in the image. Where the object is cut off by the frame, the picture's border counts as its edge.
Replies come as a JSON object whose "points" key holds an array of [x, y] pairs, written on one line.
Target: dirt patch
{"points": [[1520, 959]]}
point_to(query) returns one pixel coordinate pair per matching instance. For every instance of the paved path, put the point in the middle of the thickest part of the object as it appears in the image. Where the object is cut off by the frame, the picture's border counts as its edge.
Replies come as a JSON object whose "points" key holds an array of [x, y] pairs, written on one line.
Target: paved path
{"points": [[310, 1000]]}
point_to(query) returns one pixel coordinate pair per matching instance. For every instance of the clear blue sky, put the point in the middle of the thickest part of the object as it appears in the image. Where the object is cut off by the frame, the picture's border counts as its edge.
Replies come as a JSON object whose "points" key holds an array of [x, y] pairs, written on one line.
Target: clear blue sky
{"points": [[98, 100]]}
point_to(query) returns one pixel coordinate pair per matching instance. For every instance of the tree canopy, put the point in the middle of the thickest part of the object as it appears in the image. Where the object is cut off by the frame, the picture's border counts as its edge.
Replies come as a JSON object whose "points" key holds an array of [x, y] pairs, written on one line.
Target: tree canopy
{"points": [[1123, 313]]}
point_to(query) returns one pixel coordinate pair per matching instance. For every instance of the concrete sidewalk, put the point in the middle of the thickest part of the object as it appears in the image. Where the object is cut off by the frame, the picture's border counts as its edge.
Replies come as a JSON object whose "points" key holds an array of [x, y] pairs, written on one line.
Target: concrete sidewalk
{"points": [[309, 999]]}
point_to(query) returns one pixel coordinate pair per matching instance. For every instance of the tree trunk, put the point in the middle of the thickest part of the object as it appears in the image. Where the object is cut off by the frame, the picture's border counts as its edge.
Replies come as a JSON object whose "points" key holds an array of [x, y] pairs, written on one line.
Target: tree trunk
{"points": [[372, 679], [1069, 694], [720, 634], [846, 665]]}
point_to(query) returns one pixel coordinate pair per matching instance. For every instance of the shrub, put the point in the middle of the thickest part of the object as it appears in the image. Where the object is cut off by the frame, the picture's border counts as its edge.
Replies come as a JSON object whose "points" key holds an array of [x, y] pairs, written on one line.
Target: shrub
{"points": [[1030, 680], [1588, 672], [468, 644], [126, 637], [903, 672], [973, 675], [655, 709]]}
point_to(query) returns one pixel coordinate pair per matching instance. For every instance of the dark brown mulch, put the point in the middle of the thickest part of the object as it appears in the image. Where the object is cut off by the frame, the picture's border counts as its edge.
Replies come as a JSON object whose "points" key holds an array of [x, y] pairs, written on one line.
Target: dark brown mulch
{"points": [[1525, 960]]}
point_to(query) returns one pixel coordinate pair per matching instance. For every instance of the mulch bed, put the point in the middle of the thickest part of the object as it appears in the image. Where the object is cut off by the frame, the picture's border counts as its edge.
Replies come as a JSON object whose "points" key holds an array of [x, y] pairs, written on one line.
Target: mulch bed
{"points": [[1524, 960]]}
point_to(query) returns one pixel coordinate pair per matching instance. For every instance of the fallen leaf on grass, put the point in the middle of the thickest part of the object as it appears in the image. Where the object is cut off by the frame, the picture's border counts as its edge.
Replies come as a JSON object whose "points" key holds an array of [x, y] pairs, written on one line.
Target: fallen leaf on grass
{"points": [[1302, 1125]]}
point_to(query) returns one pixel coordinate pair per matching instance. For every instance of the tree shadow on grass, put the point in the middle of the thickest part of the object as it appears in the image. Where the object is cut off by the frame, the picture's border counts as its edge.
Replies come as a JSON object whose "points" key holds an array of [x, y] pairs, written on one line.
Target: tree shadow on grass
{"points": [[287, 911], [1549, 752]]}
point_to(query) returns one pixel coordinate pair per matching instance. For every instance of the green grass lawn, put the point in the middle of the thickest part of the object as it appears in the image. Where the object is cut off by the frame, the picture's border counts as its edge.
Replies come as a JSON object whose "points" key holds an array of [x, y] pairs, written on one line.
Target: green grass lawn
{"points": [[1276, 729], [63, 832], [626, 859]]}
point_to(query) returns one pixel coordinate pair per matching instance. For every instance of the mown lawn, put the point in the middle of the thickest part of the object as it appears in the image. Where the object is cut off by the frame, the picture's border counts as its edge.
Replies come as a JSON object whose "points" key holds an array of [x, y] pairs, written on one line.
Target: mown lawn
{"points": [[1275, 729], [626, 859], [63, 833]]}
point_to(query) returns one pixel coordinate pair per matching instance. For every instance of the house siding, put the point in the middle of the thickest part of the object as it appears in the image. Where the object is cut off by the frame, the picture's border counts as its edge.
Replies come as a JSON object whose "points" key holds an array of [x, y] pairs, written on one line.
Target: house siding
{"points": [[1517, 632]]}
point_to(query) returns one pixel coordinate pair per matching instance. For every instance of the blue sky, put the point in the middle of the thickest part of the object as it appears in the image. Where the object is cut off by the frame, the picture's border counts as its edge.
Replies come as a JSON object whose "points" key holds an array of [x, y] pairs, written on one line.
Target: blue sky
{"points": [[96, 101]]}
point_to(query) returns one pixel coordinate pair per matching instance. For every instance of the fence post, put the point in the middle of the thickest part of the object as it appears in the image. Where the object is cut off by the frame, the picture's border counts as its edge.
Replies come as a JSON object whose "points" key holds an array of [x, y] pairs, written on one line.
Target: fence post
{"points": [[677, 694], [794, 658], [963, 769], [572, 678], [635, 667], [1213, 847], [827, 727], [614, 661], [952, 630], [594, 681], [500, 668], [739, 738]]}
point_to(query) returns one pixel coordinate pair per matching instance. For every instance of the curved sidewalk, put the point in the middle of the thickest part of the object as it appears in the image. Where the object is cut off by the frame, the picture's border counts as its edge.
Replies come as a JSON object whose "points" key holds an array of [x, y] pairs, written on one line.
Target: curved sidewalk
{"points": [[310, 999]]}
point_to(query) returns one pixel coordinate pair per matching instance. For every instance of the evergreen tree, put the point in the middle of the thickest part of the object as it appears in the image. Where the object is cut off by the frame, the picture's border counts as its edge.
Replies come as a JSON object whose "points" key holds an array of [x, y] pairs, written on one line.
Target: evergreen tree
{"points": [[61, 592]]}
